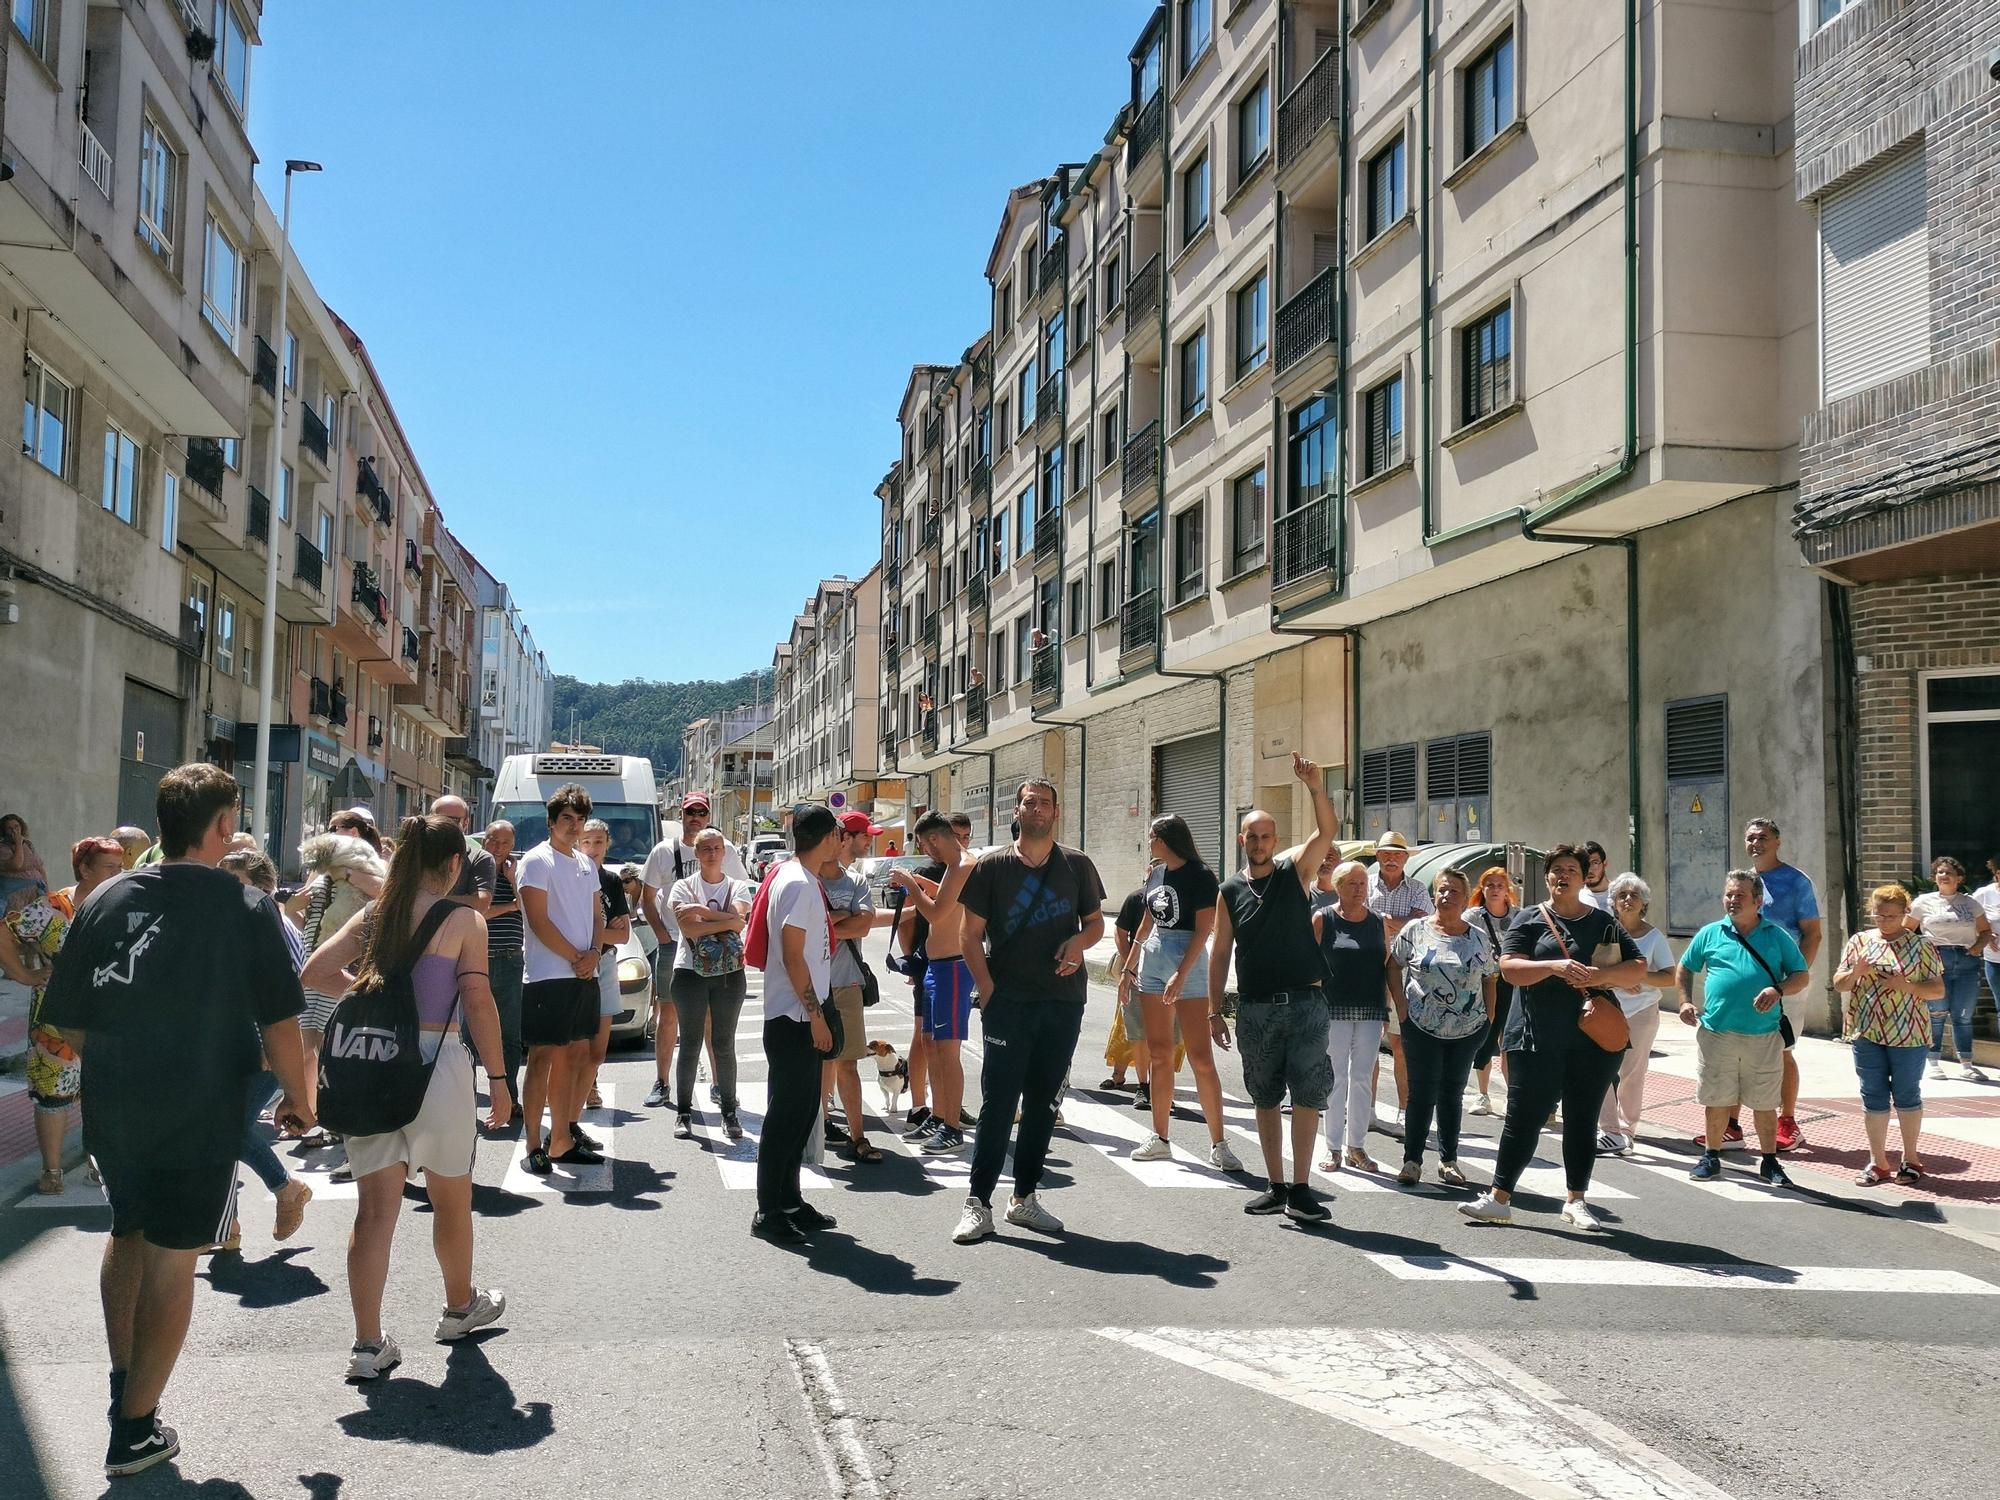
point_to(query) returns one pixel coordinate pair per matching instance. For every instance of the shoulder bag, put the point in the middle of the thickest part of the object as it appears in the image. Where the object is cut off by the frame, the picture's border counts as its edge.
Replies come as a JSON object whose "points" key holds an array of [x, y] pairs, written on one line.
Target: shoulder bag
{"points": [[1602, 1018], [1784, 1021]]}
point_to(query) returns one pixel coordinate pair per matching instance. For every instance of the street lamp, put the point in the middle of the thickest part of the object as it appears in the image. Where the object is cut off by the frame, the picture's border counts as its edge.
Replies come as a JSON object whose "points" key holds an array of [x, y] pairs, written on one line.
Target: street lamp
{"points": [[260, 789]]}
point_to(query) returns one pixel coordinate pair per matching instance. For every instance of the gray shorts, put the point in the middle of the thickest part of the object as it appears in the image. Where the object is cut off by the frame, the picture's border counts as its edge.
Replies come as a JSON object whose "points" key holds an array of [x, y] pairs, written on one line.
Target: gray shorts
{"points": [[1283, 1042]]}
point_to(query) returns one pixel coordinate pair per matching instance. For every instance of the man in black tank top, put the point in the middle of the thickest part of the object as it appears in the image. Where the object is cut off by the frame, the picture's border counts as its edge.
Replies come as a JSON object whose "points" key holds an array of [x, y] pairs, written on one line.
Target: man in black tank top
{"points": [[1265, 917]]}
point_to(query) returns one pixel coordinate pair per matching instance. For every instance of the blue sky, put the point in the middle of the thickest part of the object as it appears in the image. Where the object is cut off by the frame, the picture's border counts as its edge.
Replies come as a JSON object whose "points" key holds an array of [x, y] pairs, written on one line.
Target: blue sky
{"points": [[645, 280]]}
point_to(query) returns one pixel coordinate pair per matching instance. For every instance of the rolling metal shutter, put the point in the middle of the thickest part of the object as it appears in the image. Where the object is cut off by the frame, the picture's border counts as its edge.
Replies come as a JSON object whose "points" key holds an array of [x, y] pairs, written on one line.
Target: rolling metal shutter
{"points": [[1187, 779], [1874, 255]]}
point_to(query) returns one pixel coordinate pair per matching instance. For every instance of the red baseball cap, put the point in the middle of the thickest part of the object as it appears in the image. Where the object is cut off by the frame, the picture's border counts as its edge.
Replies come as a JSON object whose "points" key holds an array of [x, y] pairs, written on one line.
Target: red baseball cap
{"points": [[695, 802], [857, 822]]}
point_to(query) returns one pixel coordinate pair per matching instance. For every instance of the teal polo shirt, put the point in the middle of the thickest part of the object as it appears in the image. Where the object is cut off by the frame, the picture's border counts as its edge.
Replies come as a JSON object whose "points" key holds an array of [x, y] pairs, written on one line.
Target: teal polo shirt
{"points": [[1733, 979]]}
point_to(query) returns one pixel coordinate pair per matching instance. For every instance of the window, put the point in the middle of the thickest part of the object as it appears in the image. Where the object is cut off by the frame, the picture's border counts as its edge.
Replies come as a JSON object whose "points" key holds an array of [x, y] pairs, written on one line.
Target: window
{"points": [[1142, 578], [1076, 620], [1004, 315], [1194, 199], [31, 19], [1489, 364], [999, 544], [1025, 395], [1388, 194], [1253, 128], [45, 417], [1052, 478], [221, 282], [1190, 558], [1024, 651], [996, 655], [1079, 319], [1191, 365], [232, 53], [121, 475], [1489, 94], [1246, 521], [1382, 428], [323, 538], [170, 510], [1822, 12], [1107, 590], [1079, 465], [197, 602], [225, 635], [1024, 521], [285, 493], [1108, 434], [1874, 256], [1114, 282], [232, 452], [162, 170], [1961, 738], [291, 360], [246, 650], [1253, 324], [1197, 26]]}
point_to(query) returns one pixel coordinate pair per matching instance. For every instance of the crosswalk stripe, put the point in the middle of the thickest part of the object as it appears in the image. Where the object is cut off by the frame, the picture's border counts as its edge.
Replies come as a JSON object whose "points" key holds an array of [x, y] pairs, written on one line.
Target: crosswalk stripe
{"points": [[571, 1182], [1626, 1272], [736, 1161], [1543, 1177], [1736, 1188], [1115, 1134]]}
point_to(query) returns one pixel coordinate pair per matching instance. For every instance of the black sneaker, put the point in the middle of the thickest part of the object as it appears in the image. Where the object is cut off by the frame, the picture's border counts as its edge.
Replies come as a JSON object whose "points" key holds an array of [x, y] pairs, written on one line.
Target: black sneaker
{"points": [[916, 1123], [1302, 1205], [1143, 1099], [1773, 1173], [659, 1097], [584, 1138], [1271, 1201], [137, 1443], [967, 1119], [731, 1126], [579, 1156], [342, 1173], [684, 1127], [776, 1228], [715, 1093], [808, 1217], [537, 1163]]}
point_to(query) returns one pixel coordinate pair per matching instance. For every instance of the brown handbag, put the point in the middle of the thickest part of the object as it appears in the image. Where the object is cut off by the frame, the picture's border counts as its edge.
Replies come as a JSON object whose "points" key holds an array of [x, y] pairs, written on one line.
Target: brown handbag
{"points": [[1602, 1018]]}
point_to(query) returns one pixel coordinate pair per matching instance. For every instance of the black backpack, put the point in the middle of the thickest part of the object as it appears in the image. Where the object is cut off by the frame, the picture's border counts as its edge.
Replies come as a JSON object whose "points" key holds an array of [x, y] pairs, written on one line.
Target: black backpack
{"points": [[372, 1073]]}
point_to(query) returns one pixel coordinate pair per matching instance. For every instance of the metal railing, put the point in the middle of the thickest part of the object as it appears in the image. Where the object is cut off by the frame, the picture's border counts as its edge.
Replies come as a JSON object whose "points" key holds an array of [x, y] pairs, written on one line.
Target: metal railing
{"points": [[369, 487], [205, 464], [982, 478], [308, 567], [1048, 669], [933, 531], [267, 366], [1049, 400], [1142, 296], [96, 161], [336, 713], [1305, 321], [409, 644], [1311, 106], [1139, 621], [367, 593], [928, 734], [975, 709], [1301, 542], [1048, 533], [313, 433], [1055, 263], [320, 699], [1145, 136], [1139, 464], [930, 632], [975, 591], [260, 516], [413, 561]]}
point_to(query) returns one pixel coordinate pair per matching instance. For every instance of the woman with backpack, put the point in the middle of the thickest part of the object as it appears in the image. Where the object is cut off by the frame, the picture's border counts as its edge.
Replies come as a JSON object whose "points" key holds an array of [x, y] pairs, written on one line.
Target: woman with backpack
{"points": [[413, 950]]}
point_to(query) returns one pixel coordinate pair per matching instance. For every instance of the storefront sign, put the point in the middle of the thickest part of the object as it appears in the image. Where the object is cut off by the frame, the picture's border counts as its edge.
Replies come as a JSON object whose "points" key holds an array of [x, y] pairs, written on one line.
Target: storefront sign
{"points": [[322, 755]]}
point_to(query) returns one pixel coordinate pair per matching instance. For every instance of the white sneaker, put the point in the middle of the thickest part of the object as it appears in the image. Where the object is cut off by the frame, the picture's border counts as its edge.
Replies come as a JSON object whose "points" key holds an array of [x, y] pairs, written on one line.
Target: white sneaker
{"points": [[1611, 1143], [1483, 1105], [484, 1308], [1029, 1214], [1223, 1159], [976, 1223], [1155, 1148], [365, 1363], [1936, 1069], [1580, 1215], [1967, 1073], [1488, 1209]]}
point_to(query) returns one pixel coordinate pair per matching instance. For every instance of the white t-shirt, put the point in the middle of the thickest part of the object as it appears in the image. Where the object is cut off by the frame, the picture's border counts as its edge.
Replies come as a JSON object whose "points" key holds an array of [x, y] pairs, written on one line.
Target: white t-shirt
{"points": [[672, 861], [1659, 954], [694, 891], [795, 900], [1988, 897], [1948, 921], [571, 884], [1599, 899]]}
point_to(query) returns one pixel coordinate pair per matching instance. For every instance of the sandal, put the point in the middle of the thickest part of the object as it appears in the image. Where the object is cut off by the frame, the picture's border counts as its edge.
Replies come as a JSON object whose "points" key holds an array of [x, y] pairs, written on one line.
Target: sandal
{"points": [[862, 1150], [1361, 1161], [596, 1100], [51, 1183], [1873, 1176], [1117, 1085], [1910, 1171]]}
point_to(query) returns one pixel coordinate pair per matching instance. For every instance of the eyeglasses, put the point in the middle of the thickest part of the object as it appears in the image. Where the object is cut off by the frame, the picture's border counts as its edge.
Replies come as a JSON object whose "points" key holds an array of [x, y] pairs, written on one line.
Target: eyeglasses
{"points": [[1626, 896]]}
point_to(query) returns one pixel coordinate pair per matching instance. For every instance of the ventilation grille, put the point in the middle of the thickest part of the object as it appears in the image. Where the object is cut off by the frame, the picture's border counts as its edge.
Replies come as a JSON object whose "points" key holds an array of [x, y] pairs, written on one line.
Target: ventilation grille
{"points": [[1389, 776], [576, 765], [1698, 739]]}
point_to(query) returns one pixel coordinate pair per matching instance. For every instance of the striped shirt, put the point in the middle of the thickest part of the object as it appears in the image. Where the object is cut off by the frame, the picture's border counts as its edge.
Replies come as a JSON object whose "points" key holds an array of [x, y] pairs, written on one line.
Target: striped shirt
{"points": [[503, 932]]}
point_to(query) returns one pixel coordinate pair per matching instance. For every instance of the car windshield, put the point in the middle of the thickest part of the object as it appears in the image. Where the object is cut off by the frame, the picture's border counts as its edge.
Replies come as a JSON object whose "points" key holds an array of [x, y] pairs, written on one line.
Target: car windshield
{"points": [[634, 827]]}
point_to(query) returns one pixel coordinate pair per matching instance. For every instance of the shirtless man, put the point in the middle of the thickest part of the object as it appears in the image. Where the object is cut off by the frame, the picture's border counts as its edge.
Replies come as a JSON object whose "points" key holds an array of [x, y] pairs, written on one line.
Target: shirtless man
{"points": [[947, 981]]}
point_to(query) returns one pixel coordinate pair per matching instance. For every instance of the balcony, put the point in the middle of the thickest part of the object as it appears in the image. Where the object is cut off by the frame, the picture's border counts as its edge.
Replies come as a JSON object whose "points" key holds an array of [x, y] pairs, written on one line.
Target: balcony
{"points": [[1048, 534], [320, 700], [409, 644], [982, 480], [1307, 112], [933, 431], [1138, 623], [336, 713], [975, 709], [260, 516], [1144, 138], [975, 591], [413, 559], [1055, 265], [982, 377], [369, 488], [930, 633], [367, 593], [892, 573], [1139, 465], [1048, 671], [308, 567], [1301, 543], [1049, 405], [313, 436], [933, 530], [267, 367], [95, 160], [1142, 299], [927, 734], [375, 735], [205, 466], [1305, 321]]}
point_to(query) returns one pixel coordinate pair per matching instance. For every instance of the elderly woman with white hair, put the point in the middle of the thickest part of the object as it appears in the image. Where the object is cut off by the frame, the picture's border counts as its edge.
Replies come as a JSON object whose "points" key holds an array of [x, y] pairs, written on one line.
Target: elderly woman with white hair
{"points": [[1355, 944], [1630, 898]]}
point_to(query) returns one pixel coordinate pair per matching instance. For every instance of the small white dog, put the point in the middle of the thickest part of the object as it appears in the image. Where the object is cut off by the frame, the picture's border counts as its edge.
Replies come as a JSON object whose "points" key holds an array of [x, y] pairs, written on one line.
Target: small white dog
{"points": [[893, 1074]]}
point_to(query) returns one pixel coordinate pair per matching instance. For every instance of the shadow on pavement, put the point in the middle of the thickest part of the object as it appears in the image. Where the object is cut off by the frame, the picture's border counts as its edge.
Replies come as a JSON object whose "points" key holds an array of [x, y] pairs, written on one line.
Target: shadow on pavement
{"points": [[471, 1411], [273, 1281], [1087, 1252], [1402, 1247], [838, 1254]]}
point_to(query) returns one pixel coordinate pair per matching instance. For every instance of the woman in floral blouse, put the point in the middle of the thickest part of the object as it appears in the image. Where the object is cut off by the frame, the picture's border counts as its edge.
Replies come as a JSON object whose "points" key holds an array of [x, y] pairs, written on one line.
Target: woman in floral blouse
{"points": [[1890, 976]]}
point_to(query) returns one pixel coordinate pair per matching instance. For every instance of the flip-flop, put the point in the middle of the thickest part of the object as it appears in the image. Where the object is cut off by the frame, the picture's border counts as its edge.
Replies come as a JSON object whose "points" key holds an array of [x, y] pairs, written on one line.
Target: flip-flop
{"points": [[866, 1151], [1910, 1171], [1873, 1176]]}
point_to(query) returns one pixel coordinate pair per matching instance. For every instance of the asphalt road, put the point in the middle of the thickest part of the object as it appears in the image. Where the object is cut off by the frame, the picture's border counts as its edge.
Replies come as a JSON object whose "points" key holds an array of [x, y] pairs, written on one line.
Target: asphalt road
{"points": [[1717, 1341]]}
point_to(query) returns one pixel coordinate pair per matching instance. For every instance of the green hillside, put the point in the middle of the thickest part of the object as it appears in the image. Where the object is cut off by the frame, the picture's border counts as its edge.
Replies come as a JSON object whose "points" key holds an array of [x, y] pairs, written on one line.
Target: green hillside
{"points": [[636, 717]]}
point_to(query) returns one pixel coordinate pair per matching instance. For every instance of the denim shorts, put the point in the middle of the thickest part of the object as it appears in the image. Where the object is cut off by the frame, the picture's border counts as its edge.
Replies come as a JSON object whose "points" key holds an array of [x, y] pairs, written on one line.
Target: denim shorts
{"points": [[1161, 955], [1889, 1074]]}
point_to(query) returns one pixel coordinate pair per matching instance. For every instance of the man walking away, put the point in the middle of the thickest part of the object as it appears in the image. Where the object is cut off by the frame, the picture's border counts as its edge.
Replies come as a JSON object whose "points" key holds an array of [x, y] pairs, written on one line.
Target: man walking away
{"points": [[798, 985], [1265, 916], [1032, 910], [565, 927], [167, 977]]}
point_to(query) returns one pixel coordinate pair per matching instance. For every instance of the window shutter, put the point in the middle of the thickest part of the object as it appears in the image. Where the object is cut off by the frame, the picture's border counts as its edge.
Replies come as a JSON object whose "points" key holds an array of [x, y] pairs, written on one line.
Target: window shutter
{"points": [[1402, 773], [1378, 430], [1875, 277], [1326, 252], [1374, 777]]}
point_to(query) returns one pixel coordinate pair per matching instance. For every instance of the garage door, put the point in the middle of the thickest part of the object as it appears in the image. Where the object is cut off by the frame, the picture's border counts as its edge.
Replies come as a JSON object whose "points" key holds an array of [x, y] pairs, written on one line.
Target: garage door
{"points": [[1187, 779], [150, 748]]}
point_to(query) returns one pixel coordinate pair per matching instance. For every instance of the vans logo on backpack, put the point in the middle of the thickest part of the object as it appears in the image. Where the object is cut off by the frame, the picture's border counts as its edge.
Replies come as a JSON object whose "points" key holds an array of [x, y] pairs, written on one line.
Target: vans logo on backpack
{"points": [[365, 1044]]}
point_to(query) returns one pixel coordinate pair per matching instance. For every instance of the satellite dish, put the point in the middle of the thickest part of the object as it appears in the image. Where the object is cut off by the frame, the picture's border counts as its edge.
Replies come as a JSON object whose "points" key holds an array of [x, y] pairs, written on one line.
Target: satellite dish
{"points": [[838, 799]]}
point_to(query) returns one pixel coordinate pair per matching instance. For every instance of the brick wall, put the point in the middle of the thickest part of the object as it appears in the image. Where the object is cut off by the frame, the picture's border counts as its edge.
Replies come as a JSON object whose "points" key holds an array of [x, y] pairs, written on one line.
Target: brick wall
{"points": [[1901, 630]]}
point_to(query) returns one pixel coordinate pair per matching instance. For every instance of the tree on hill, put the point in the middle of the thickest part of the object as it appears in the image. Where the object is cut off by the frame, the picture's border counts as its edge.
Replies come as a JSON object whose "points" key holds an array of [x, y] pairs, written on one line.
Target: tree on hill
{"points": [[636, 717]]}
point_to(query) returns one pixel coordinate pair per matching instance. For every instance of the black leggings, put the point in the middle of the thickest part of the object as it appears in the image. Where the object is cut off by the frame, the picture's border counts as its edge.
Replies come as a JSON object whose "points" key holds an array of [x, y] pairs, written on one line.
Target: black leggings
{"points": [[1536, 1081], [1437, 1072]]}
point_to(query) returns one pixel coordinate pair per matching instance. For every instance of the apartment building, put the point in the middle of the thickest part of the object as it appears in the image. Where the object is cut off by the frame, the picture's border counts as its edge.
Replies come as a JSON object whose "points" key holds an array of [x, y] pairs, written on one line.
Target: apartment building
{"points": [[826, 716], [729, 756], [515, 685], [1417, 387], [1899, 490]]}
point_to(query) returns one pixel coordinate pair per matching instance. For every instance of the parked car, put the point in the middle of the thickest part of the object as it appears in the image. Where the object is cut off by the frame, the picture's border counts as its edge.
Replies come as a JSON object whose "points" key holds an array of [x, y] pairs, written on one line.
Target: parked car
{"points": [[763, 851], [876, 873]]}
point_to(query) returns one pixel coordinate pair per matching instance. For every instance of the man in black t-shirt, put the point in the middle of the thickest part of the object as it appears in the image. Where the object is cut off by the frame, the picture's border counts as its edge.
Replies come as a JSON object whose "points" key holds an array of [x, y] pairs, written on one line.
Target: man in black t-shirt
{"points": [[1032, 910], [1265, 915], [166, 978]]}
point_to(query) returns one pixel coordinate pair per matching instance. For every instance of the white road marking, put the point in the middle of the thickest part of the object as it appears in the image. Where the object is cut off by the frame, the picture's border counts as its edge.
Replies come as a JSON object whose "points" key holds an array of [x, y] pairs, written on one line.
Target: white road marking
{"points": [[571, 1181], [1738, 1186], [1446, 1397], [1093, 1123], [737, 1160], [1626, 1272], [849, 1475], [1542, 1176], [78, 1193], [1241, 1121]]}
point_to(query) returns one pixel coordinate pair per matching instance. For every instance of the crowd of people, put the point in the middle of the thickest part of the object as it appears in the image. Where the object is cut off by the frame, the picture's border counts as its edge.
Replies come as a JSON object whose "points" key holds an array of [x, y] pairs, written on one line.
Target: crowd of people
{"points": [[196, 1019]]}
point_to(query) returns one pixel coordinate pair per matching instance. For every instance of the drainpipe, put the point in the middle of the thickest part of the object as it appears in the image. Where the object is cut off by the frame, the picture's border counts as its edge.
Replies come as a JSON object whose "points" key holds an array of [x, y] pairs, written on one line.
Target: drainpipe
{"points": [[1424, 299], [1846, 728], [1533, 522]]}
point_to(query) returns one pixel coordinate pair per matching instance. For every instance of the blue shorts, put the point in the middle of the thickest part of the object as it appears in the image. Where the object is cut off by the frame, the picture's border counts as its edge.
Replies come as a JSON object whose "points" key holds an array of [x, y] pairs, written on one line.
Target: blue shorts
{"points": [[947, 1000]]}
